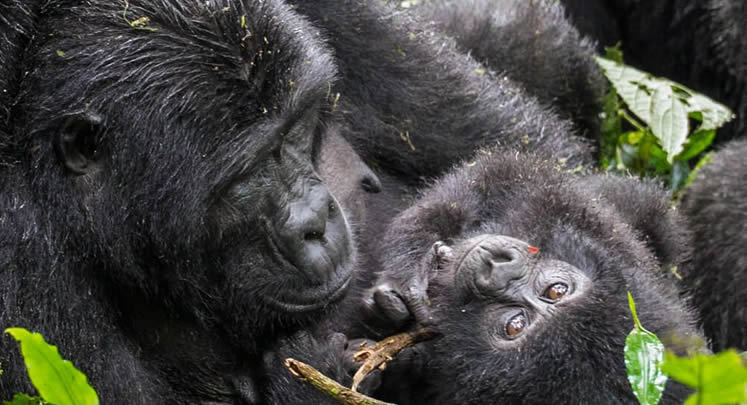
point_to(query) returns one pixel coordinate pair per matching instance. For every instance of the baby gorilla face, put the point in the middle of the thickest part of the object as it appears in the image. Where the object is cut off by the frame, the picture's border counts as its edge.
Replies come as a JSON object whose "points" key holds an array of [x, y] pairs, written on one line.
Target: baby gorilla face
{"points": [[529, 289], [519, 288]]}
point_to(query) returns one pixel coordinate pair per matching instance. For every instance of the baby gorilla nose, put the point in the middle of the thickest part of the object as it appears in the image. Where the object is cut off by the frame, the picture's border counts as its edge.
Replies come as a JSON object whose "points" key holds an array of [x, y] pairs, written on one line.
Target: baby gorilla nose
{"points": [[314, 233], [493, 262]]}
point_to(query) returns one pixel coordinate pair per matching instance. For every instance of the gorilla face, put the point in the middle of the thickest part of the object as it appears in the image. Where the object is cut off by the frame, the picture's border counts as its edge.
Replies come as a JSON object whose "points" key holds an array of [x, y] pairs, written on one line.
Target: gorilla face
{"points": [[305, 245], [186, 156], [525, 290]]}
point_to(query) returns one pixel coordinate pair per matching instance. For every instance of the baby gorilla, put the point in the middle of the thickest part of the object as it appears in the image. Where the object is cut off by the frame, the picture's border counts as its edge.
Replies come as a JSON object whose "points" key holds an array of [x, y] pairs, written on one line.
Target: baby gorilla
{"points": [[524, 269]]}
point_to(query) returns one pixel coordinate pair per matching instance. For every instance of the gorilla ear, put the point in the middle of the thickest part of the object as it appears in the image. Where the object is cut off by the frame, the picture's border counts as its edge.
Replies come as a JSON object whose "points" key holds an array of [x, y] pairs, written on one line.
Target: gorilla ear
{"points": [[78, 140]]}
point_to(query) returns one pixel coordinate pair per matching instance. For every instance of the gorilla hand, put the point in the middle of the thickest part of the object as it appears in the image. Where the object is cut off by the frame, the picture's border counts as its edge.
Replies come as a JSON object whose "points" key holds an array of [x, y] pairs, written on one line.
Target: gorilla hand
{"points": [[399, 300]]}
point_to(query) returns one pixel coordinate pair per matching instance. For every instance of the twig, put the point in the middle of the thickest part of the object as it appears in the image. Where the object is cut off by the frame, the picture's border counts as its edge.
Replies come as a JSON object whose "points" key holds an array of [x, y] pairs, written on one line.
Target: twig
{"points": [[384, 351], [328, 386]]}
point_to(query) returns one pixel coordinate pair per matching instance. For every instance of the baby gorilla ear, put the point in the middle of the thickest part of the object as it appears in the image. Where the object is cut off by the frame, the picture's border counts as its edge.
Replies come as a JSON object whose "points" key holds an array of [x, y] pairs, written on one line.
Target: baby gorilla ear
{"points": [[78, 140]]}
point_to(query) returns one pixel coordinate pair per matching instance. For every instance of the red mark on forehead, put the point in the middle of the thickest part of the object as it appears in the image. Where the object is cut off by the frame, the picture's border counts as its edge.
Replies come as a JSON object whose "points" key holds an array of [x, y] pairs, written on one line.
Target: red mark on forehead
{"points": [[533, 250]]}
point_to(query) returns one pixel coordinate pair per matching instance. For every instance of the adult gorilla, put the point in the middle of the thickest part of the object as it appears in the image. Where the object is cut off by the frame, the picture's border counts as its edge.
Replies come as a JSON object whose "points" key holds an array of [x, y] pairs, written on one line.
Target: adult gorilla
{"points": [[162, 218]]}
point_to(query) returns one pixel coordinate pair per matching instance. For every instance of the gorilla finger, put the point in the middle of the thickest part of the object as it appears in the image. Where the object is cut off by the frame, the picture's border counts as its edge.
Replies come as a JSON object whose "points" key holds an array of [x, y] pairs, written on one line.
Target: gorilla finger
{"points": [[338, 342], [391, 305]]}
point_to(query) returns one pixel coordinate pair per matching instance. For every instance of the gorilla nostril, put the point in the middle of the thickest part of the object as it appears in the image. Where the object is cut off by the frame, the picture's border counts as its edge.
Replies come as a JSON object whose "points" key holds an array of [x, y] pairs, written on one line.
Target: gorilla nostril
{"points": [[331, 208], [493, 255], [371, 184], [313, 236]]}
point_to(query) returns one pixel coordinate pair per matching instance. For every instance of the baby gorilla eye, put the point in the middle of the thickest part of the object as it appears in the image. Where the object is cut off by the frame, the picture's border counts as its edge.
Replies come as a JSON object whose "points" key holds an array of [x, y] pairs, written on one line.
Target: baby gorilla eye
{"points": [[516, 324], [556, 291]]}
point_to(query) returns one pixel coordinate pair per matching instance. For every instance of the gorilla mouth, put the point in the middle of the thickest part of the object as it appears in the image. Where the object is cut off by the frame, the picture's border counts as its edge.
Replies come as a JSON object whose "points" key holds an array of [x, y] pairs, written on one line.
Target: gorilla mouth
{"points": [[313, 298]]}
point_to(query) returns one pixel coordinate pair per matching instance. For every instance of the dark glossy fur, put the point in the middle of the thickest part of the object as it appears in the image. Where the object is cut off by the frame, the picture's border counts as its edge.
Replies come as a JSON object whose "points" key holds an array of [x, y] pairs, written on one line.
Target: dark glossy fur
{"points": [[416, 104], [599, 224], [146, 264], [533, 43], [716, 206], [142, 160]]}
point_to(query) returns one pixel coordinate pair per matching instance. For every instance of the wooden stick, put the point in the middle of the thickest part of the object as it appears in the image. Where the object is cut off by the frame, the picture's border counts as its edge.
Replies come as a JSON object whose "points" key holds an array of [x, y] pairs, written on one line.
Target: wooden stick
{"points": [[384, 351], [328, 386]]}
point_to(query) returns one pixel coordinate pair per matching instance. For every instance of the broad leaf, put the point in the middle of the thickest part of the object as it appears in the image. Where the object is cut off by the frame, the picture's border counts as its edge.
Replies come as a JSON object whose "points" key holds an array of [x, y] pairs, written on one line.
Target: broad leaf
{"points": [[644, 353], [717, 379], [714, 114], [57, 380], [664, 105], [630, 85], [696, 143], [669, 120]]}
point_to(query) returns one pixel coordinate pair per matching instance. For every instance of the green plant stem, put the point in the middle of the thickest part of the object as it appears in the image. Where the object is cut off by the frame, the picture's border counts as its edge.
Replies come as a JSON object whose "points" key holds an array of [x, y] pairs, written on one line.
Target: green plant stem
{"points": [[631, 120]]}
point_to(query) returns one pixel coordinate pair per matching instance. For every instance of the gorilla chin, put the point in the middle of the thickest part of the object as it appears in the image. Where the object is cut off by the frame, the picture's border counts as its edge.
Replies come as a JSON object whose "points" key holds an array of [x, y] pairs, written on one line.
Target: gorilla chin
{"points": [[313, 299]]}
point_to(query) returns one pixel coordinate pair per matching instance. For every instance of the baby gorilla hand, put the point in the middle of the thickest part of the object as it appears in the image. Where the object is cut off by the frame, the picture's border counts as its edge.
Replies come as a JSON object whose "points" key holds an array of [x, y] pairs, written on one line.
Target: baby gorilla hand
{"points": [[399, 300]]}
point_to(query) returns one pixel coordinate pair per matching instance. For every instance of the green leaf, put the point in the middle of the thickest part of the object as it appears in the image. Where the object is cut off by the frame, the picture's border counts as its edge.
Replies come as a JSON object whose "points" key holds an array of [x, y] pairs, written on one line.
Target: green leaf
{"points": [[669, 120], [23, 399], [630, 85], [680, 174], [610, 128], [614, 53], [714, 114], [694, 172], [643, 356], [696, 143], [665, 106], [57, 380], [717, 379]]}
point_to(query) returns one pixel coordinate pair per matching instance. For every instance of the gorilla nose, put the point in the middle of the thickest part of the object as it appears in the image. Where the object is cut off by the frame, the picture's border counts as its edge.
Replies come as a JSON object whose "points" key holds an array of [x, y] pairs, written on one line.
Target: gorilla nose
{"points": [[304, 233], [308, 216], [495, 262], [369, 180]]}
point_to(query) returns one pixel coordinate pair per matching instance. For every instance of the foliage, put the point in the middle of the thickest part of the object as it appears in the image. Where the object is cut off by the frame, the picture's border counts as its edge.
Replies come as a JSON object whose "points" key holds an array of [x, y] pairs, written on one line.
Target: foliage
{"points": [[57, 380], [23, 399], [654, 126], [717, 379], [644, 354]]}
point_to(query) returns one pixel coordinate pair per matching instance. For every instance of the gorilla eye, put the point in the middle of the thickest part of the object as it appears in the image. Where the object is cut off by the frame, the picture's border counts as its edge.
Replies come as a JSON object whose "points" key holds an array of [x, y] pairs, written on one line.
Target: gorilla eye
{"points": [[556, 291], [516, 325]]}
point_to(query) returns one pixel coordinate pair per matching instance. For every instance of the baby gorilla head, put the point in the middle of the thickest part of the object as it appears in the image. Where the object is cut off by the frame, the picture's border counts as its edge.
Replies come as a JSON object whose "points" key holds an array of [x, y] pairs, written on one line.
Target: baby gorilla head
{"points": [[510, 270], [524, 270]]}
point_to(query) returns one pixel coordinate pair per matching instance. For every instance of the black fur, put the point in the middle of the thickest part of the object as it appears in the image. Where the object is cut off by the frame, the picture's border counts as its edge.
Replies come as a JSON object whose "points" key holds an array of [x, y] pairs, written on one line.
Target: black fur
{"points": [[160, 209], [533, 43], [716, 206], [159, 206], [621, 234], [416, 105]]}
